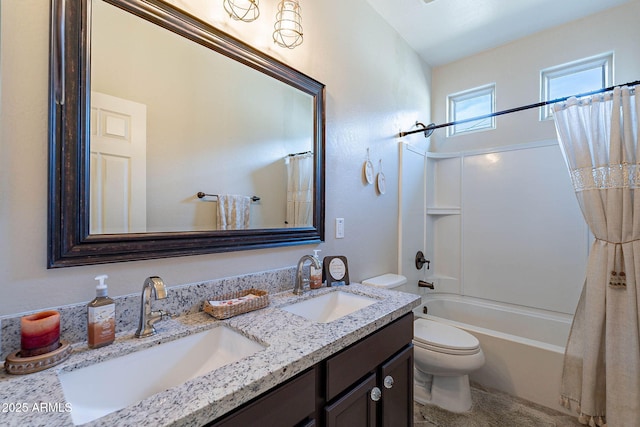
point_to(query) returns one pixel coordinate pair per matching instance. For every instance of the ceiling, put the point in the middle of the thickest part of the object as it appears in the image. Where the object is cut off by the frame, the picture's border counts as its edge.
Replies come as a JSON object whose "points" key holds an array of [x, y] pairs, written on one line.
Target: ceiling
{"points": [[442, 31]]}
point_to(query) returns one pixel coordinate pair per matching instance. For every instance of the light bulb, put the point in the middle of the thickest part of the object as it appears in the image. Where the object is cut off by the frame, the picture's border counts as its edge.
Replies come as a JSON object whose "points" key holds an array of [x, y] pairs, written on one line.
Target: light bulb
{"points": [[288, 27]]}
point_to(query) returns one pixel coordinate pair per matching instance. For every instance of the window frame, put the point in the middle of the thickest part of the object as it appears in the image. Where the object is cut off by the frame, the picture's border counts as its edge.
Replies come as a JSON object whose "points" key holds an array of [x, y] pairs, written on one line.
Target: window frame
{"points": [[465, 95], [604, 61]]}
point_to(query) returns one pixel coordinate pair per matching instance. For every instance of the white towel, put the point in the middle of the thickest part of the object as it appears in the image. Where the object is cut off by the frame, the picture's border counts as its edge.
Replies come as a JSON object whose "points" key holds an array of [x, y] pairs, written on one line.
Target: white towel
{"points": [[233, 212]]}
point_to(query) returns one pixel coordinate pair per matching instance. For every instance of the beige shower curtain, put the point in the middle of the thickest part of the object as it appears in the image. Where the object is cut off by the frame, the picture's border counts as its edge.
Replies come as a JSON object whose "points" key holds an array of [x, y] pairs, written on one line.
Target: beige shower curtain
{"points": [[299, 190], [599, 139]]}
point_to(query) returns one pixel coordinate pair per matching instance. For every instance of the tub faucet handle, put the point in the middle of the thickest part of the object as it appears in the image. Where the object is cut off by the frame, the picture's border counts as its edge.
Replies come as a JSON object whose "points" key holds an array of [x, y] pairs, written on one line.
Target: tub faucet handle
{"points": [[421, 260]]}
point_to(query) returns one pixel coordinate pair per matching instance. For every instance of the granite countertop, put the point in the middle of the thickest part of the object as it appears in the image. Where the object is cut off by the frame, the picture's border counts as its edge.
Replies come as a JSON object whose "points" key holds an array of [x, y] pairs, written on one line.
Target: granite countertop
{"points": [[293, 344]]}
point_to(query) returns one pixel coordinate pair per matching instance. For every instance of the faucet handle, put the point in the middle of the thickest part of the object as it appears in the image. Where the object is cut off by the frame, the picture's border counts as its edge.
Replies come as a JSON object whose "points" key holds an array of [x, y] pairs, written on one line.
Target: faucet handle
{"points": [[421, 261], [163, 315]]}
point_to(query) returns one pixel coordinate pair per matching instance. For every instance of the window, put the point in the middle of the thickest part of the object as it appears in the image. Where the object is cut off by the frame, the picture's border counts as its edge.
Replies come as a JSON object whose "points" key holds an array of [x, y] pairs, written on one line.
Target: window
{"points": [[471, 103], [574, 78]]}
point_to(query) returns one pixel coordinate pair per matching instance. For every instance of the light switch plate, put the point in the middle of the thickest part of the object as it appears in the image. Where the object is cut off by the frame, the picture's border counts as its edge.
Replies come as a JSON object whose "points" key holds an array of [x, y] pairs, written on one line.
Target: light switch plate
{"points": [[339, 228]]}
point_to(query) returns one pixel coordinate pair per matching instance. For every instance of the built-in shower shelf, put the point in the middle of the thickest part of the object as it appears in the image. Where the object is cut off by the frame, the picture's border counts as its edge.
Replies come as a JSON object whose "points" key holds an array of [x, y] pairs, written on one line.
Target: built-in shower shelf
{"points": [[443, 210]]}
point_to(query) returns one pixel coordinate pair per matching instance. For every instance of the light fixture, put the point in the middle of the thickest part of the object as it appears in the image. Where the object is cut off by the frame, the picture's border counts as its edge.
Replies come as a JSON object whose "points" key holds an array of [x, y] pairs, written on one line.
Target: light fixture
{"points": [[288, 27], [242, 10]]}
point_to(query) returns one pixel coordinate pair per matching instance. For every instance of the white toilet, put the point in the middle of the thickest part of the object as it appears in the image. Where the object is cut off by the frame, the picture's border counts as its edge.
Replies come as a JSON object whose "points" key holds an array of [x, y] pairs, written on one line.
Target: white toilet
{"points": [[443, 355]]}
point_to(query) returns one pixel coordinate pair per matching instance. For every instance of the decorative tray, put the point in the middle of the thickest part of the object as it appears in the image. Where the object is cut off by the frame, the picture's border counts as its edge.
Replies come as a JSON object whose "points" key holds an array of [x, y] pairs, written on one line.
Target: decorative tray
{"points": [[15, 364], [234, 303]]}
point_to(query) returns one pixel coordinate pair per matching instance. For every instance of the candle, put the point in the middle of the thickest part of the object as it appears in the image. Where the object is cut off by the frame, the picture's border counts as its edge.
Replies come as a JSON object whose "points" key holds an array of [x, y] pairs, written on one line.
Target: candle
{"points": [[39, 333]]}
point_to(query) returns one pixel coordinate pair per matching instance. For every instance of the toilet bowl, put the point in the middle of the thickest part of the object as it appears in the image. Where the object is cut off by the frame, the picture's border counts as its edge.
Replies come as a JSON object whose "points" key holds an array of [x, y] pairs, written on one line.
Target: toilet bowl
{"points": [[443, 355]]}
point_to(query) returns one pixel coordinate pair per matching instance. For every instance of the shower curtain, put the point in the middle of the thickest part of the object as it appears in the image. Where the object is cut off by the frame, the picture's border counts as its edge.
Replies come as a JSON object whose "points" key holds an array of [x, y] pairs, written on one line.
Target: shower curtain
{"points": [[299, 190], [601, 375]]}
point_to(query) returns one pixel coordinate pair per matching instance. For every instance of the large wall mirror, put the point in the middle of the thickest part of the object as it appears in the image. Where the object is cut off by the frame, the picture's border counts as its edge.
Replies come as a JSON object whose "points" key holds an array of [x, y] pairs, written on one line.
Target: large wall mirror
{"points": [[171, 138]]}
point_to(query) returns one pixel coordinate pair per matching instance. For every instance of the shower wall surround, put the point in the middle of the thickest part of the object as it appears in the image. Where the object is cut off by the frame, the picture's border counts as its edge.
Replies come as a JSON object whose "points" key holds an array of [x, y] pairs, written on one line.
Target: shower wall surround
{"points": [[504, 225], [181, 300]]}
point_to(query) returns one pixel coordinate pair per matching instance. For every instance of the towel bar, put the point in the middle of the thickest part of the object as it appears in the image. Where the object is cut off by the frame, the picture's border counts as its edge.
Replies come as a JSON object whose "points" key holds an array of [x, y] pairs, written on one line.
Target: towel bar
{"points": [[203, 195]]}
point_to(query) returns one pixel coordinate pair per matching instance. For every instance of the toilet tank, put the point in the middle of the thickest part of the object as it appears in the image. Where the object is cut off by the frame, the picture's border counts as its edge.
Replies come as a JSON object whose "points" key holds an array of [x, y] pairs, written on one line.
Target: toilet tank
{"points": [[388, 281]]}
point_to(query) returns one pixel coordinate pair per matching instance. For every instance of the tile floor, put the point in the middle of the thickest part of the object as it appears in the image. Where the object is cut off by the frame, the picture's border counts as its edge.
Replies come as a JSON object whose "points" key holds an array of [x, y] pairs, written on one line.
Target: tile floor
{"points": [[493, 409]]}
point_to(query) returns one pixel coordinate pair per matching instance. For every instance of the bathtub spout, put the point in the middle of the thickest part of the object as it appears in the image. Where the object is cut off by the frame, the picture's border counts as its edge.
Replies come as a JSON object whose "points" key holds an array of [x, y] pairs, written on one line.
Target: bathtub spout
{"points": [[425, 284]]}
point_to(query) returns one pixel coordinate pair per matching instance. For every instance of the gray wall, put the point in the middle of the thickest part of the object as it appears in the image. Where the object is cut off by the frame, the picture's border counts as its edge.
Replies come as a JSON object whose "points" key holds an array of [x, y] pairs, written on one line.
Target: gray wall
{"points": [[376, 85], [515, 69]]}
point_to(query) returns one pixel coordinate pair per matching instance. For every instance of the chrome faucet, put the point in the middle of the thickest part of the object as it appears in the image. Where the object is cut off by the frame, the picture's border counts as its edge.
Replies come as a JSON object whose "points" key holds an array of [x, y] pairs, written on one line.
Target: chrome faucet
{"points": [[148, 317], [298, 288]]}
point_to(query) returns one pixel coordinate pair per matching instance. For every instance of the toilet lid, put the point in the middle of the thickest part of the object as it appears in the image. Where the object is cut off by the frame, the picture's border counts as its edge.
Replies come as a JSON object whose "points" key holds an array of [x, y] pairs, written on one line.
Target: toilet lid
{"points": [[388, 281], [443, 338]]}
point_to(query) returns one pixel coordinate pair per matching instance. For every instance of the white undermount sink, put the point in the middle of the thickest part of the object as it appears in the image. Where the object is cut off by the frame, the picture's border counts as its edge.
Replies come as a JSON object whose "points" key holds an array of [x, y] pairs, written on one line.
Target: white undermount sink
{"points": [[329, 307], [105, 387]]}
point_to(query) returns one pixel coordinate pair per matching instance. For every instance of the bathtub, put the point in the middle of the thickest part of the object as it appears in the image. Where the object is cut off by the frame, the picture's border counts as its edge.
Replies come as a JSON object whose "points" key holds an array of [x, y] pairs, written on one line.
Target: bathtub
{"points": [[523, 347]]}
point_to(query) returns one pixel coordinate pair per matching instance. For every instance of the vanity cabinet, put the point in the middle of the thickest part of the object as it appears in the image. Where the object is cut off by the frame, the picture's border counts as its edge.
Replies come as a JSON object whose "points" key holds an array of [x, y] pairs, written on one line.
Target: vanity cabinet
{"points": [[370, 383], [382, 399]]}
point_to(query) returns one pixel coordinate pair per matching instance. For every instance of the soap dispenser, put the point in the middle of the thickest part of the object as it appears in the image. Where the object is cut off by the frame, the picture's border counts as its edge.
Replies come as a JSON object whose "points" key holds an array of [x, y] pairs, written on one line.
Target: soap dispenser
{"points": [[101, 317], [315, 274]]}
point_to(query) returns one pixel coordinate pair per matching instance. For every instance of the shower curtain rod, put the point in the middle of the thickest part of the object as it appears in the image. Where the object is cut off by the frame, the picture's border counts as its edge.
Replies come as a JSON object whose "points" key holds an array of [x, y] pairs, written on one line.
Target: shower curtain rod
{"points": [[428, 130]]}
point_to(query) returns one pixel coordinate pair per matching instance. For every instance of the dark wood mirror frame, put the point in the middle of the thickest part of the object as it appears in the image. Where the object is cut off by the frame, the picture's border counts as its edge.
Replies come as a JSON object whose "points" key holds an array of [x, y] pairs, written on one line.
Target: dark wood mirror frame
{"points": [[69, 241]]}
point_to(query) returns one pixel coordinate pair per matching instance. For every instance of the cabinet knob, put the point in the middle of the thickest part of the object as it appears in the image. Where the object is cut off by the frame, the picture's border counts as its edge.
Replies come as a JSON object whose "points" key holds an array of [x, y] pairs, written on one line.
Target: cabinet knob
{"points": [[376, 394], [388, 381]]}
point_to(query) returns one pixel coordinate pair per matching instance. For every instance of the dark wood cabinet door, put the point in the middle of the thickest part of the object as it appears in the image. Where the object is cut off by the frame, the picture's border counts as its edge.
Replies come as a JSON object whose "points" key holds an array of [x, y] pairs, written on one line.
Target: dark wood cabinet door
{"points": [[355, 408], [396, 383]]}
